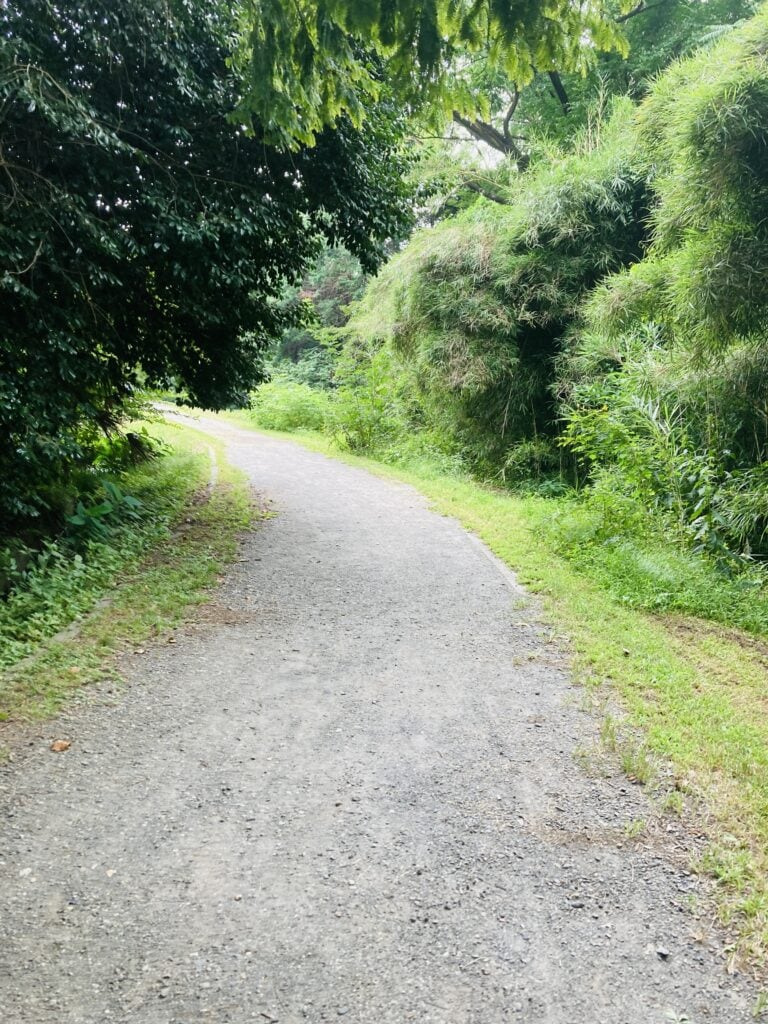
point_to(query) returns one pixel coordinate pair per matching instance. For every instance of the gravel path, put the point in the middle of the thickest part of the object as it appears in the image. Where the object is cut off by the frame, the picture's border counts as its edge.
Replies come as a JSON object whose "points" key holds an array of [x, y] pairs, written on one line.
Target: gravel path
{"points": [[347, 792]]}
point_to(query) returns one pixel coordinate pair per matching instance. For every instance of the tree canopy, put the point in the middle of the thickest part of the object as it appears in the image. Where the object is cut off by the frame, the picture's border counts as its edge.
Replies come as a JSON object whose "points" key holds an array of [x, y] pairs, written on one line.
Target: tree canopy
{"points": [[142, 227], [309, 62], [512, 122]]}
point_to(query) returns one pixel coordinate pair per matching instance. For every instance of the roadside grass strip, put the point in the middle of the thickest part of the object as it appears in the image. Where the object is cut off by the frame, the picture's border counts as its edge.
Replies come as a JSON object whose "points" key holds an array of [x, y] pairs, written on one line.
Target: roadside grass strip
{"points": [[693, 694], [137, 586]]}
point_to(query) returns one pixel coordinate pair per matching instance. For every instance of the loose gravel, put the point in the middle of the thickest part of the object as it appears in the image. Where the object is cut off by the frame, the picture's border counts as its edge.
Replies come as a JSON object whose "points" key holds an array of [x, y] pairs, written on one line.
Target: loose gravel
{"points": [[348, 790]]}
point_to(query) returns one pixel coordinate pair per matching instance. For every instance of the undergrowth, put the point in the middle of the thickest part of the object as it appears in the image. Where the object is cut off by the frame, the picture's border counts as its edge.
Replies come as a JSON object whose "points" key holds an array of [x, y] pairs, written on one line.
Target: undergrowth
{"points": [[74, 608], [649, 569]]}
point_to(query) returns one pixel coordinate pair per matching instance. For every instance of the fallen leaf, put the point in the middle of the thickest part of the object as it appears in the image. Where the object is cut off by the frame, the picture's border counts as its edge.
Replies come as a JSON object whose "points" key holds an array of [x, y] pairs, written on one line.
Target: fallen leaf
{"points": [[74, 669], [171, 639], [59, 746]]}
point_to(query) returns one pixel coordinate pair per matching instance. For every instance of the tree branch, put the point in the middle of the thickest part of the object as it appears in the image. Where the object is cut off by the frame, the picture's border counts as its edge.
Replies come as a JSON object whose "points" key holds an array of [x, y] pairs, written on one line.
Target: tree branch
{"points": [[641, 8], [562, 95], [510, 114], [20, 273], [473, 186], [484, 132]]}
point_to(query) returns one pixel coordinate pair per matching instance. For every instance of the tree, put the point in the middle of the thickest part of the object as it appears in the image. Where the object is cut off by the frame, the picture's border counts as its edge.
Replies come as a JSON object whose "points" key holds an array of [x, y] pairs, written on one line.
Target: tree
{"points": [[308, 62], [479, 152], [142, 227], [557, 103]]}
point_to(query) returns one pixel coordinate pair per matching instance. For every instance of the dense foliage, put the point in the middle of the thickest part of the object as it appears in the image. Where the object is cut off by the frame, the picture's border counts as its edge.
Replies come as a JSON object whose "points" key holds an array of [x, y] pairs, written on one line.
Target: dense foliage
{"points": [[478, 305], [145, 237], [593, 311], [666, 380], [606, 323], [308, 62]]}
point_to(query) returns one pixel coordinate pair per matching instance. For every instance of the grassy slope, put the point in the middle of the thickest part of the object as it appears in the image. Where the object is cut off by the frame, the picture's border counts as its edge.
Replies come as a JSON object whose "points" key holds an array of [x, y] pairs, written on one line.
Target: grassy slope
{"points": [[692, 694], [136, 592]]}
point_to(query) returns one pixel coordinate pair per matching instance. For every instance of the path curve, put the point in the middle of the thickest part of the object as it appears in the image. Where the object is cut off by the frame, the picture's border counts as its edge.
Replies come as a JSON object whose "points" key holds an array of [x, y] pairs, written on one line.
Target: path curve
{"points": [[347, 792]]}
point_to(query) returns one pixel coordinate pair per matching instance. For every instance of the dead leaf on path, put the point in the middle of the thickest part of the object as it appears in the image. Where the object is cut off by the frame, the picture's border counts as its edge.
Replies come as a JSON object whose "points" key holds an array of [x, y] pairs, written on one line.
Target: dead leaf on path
{"points": [[171, 639], [59, 746]]}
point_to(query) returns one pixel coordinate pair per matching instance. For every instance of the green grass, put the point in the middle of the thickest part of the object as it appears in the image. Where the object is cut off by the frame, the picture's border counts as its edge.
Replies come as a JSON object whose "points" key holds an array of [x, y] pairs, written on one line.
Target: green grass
{"points": [[693, 694], [65, 631], [651, 572]]}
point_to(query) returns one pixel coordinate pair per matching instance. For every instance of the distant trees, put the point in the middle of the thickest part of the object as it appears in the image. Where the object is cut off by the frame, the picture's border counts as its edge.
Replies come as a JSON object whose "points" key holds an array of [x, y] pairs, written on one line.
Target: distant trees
{"points": [[326, 290]]}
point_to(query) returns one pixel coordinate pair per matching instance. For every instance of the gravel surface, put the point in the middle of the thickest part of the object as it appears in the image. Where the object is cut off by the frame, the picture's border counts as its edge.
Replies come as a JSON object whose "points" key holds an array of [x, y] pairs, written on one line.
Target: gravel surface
{"points": [[347, 791]]}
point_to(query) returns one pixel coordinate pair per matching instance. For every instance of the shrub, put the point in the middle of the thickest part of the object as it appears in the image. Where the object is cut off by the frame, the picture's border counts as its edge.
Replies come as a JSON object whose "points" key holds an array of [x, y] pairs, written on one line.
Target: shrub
{"points": [[287, 405], [46, 587]]}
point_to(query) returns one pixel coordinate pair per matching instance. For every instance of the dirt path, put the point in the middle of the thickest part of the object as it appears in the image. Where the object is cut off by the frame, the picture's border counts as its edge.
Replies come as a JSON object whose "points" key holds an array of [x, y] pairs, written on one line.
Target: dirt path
{"points": [[349, 791]]}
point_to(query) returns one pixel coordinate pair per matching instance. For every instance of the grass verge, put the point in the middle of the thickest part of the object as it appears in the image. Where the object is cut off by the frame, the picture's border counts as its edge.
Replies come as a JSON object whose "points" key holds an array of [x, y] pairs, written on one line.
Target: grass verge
{"points": [[692, 694], [138, 586]]}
